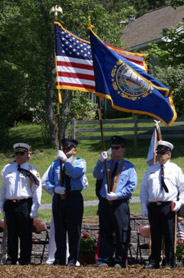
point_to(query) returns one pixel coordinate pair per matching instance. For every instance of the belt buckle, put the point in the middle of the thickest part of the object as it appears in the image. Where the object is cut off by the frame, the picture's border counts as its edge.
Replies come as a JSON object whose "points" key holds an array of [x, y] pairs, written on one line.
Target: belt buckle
{"points": [[63, 196], [14, 201], [158, 203]]}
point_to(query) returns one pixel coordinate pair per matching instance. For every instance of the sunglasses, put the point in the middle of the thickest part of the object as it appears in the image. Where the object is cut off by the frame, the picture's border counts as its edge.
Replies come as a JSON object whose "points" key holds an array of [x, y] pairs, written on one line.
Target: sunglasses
{"points": [[116, 148], [20, 153], [67, 148], [162, 152]]}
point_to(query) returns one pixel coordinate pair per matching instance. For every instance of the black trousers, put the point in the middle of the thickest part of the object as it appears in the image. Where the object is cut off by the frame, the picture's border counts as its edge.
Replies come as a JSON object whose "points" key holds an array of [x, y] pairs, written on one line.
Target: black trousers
{"points": [[19, 226], [161, 220], [114, 218], [67, 216]]}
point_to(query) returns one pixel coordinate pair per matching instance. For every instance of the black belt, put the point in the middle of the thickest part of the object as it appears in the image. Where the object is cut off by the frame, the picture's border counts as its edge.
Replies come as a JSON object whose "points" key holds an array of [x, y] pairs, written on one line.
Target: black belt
{"points": [[71, 193], [74, 192], [124, 200], [160, 203], [19, 200]]}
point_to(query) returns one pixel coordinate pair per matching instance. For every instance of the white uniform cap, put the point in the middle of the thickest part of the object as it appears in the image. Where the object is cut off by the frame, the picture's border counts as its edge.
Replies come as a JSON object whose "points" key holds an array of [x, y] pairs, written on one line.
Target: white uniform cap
{"points": [[21, 147], [166, 144]]}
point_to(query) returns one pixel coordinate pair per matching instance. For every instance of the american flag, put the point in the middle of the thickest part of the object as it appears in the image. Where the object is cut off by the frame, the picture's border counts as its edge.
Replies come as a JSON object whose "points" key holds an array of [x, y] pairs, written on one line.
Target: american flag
{"points": [[74, 64], [180, 233], [135, 58]]}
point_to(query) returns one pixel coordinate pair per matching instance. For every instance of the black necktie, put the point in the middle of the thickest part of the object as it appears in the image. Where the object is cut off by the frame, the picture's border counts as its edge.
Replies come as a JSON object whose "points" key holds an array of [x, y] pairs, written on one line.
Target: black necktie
{"points": [[27, 173], [66, 179], [162, 179], [113, 175]]}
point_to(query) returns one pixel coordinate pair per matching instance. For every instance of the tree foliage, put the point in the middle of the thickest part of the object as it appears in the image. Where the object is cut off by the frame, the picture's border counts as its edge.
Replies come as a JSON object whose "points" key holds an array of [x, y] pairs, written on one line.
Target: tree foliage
{"points": [[170, 55], [170, 51], [22, 65], [27, 53], [81, 107], [176, 3], [144, 6], [173, 78]]}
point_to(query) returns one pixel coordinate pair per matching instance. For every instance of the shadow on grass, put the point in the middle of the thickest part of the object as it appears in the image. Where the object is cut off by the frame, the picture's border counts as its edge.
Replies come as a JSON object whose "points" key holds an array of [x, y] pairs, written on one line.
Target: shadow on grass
{"points": [[33, 135], [30, 134]]}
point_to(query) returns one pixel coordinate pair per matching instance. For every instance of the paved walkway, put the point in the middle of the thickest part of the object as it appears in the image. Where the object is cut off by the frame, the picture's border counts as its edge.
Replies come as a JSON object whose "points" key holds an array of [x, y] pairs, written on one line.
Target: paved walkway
{"points": [[91, 203]]}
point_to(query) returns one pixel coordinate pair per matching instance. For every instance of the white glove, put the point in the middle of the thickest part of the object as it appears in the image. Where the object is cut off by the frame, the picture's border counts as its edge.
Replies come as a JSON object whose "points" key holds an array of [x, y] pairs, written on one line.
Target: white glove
{"points": [[103, 156], [144, 209], [176, 205], [60, 190], [33, 214], [109, 151], [111, 196], [61, 155]]}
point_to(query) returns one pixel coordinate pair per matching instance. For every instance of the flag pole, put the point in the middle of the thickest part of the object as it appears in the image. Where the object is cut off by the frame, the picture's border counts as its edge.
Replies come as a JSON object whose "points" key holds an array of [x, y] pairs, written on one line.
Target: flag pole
{"points": [[103, 142], [101, 130], [57, 10], [175, 235]]}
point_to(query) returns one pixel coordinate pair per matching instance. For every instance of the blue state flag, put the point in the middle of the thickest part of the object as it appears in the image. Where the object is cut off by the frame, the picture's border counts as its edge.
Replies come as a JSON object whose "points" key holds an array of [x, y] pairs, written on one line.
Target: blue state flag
{"points": [[127, 86]]}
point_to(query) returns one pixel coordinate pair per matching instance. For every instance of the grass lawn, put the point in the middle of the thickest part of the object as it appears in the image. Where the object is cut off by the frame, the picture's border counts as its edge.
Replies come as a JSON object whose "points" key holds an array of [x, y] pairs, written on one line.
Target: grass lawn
{"points": [[43, 156]]}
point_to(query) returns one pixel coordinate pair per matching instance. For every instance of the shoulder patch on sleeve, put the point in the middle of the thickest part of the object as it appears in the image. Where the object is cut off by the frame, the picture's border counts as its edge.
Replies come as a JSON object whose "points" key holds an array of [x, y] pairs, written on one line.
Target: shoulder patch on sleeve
{"points": [[83, 163]]}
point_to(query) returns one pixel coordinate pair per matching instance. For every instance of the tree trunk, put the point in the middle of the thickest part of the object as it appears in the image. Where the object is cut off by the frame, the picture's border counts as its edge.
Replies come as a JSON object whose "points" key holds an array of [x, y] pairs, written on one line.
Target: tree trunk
{"points": [[66, 95], [48, 77], [49, 93]]}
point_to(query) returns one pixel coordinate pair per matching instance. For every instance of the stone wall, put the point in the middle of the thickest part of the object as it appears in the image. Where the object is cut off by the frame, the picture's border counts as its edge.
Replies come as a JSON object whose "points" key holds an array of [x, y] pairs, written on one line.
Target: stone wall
{"points": [[92, 229]]}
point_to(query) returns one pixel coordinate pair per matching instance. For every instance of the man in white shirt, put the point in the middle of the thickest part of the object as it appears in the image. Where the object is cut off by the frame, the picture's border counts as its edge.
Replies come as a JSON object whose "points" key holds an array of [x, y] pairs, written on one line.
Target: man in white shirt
{"points": [[20, 199], [162, 195]]}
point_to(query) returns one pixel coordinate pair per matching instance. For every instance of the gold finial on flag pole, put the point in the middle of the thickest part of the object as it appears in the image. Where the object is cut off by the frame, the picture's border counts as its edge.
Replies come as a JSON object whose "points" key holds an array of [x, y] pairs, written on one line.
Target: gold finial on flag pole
{"points": [[57, 9]]}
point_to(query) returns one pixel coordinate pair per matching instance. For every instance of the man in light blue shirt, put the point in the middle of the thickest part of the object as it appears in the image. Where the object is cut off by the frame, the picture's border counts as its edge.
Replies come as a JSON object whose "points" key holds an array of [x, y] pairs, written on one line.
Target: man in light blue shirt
{"points": [[114, 215], [65, 179]]}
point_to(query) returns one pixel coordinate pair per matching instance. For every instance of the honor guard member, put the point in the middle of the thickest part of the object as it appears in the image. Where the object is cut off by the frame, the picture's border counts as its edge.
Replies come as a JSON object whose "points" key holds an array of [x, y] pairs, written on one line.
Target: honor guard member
{"points": [[20, 199], [52, 245], [65, 179], [162, 195], [114, 215]]}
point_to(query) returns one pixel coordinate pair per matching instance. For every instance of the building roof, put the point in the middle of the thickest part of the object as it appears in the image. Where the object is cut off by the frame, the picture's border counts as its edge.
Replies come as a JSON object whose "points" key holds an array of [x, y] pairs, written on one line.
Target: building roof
{"points": [[148, 28]]}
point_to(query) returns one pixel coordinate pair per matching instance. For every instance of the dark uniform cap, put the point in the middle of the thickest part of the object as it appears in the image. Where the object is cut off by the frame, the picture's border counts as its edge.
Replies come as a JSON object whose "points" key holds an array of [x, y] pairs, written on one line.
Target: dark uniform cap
{"points": [[118, 140], [164, 146], [69, 143], [21, 147]]}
